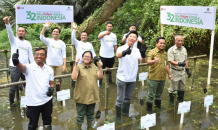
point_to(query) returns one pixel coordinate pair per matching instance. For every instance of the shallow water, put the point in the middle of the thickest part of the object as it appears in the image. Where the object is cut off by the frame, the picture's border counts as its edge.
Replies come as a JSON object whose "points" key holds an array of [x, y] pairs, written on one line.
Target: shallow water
{"points": [[65, 117]]}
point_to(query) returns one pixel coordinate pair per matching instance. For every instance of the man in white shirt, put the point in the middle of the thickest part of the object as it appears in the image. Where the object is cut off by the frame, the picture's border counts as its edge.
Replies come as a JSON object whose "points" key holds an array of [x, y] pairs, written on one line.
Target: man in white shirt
{"points": [[39, 88], [108, 46], [56, 52], [128, 57], [25, 49], [139, 39], [83, 45]]}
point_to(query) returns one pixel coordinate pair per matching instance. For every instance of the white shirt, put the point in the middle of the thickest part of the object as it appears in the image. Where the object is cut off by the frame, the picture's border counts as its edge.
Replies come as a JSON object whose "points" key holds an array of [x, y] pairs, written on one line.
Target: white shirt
{"points": [[81, 47], [37, 84], [56, 51], [24, 47], [107, 45], [136, 43], [128, 65]]}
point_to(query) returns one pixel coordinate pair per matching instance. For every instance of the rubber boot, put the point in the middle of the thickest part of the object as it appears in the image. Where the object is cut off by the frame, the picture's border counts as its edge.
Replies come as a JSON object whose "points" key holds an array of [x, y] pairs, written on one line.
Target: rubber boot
{"points": [[79, 126], [118, 114], [158, 104], [11, 98], [149, 107], [110, 79], [100, 82], [125, 109], [47, 127], [89, 125], [171, 99], [181, 96], [57, 87]]}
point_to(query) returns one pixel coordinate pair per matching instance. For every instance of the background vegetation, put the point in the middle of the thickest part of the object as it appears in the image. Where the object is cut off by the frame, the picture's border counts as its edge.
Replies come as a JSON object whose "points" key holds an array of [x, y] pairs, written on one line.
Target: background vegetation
{"points": [[144, 13]]}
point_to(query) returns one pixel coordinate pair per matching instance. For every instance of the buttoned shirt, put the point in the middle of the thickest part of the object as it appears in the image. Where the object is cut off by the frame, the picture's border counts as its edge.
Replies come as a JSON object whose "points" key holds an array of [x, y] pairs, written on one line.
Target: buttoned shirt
{"points": [[86, 90], [157, 71], [37, 84], [177, 55]]}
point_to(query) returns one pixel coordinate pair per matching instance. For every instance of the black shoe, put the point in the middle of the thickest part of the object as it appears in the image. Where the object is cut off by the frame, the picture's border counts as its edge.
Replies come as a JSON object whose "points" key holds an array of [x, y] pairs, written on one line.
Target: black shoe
{"points": [[57, 87], [118, 114], [171, 99], [181, 96], [149, 107], [125, 109]]}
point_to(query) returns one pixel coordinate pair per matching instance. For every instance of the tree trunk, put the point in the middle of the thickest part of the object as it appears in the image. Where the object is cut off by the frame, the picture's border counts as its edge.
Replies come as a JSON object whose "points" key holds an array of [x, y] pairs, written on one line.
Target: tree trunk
{"points": [[100, 16]]}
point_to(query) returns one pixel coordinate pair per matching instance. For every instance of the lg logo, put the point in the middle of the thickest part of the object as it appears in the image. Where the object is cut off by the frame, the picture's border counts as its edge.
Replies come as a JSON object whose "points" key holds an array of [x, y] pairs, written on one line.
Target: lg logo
{"points": [[18, 7]]}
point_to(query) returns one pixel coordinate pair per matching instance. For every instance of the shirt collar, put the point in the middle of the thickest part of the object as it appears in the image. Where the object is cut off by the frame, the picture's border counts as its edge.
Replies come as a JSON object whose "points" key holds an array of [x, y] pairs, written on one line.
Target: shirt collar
{"points": [[35, 65], [84, 66], [177, 47]]}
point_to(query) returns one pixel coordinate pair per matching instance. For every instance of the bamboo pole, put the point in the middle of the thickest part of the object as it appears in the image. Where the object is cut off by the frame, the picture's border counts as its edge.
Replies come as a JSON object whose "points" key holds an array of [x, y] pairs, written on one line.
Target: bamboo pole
{"points": [[193, 71]]}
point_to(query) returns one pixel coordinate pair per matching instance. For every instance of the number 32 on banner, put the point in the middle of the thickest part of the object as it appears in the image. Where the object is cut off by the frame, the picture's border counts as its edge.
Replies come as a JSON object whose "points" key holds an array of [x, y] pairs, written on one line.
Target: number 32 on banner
{"points": [[31, 15], [170, 17]]}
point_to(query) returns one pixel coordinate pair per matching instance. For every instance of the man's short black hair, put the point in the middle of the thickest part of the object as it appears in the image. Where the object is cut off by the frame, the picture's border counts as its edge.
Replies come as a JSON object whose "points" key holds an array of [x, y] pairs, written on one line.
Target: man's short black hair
{"points": [[56, 28], [135, 32], [109, 22], [22, 27], [157, 40], [41, 48], [84, 32], [133, 25]]}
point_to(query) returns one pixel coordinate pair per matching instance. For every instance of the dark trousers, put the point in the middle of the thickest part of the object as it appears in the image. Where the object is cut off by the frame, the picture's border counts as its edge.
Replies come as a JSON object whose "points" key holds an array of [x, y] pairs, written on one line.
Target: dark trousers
{"points": [[107, 62], [33, 113], [85, 110]]}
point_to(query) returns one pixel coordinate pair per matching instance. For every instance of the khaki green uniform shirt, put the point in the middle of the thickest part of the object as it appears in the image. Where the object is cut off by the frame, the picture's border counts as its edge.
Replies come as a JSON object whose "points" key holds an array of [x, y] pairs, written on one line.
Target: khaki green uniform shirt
{"points": [[157, 71], [174, 54], [86, 90]]}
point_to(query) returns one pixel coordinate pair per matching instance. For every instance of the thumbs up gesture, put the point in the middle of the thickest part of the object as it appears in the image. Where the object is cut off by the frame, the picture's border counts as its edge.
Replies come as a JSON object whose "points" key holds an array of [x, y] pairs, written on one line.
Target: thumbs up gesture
{"points": [[15, 57], [156, 60]]}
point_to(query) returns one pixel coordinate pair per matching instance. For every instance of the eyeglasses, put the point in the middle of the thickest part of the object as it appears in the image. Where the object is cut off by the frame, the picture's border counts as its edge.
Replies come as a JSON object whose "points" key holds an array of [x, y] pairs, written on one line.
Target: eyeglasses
{"points": [[41, 54], [88, 57]]}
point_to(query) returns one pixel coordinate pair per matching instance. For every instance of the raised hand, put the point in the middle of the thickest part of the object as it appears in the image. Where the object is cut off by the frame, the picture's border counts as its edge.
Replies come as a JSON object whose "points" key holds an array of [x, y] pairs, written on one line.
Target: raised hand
{"points": [[77, 60], [74, 26], [6, 20], [47, 24], [100, 64], [127, 51], [156, 60]]}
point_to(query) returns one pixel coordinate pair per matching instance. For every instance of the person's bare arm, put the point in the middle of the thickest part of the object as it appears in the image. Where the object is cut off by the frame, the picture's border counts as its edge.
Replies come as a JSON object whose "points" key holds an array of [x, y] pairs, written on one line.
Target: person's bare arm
{"points": [[100, 73], [74, 73], [142, 60], [51, 83], [123, 40], [115, 48], [21, 67], [103, 34], [186, 66], [168, 72], [64, 65], [174, 63]]}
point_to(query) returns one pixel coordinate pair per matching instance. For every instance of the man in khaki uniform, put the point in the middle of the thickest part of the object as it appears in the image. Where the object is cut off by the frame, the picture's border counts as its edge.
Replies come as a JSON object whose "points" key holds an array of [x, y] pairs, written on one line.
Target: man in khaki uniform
{"points": [[158, 67], [177, 56]]}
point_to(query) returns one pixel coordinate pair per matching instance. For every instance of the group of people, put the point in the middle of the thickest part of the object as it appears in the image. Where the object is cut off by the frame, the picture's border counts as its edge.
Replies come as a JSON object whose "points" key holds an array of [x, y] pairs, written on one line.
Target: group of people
{"points": [[40, 76]]}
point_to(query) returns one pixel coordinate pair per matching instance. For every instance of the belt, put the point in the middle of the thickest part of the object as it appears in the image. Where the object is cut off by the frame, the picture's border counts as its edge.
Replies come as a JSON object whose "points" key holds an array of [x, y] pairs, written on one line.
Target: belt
{"points": [[176, 69]]}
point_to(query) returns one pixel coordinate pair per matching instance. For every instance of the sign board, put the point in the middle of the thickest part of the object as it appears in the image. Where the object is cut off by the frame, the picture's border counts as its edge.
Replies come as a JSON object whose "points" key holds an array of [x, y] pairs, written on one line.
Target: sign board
{"points": [[23, 102], [26, 14], [110, 126], [189, 16], [148, 121], [143, 76], [208, 100], [184, 107], [63, 95]]}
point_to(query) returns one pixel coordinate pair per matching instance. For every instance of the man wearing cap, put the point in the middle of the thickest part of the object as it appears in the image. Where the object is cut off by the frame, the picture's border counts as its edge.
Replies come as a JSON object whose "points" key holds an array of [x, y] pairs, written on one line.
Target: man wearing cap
{"points": [[139, 39], [39, 88], [177, 56], [26, 54], [128, 57], [158, 67]]}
